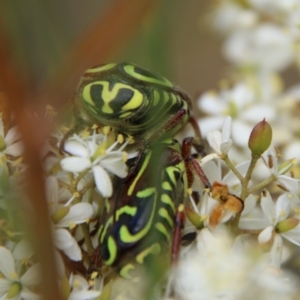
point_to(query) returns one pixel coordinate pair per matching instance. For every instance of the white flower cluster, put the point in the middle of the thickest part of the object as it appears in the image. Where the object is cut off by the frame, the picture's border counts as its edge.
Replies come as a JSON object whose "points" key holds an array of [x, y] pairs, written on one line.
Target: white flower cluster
{"points": [[224, 262], [261, 40], [261, 34], [249, 257], [19, 272], [77, 182], [76, 192]]}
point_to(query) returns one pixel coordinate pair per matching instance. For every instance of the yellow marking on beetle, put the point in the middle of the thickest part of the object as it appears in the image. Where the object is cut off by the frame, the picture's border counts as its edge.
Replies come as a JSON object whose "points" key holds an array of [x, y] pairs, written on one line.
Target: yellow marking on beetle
{"points": [[165, 198], [161, 228], [86, 95], [124, 272], [137, 177], [128, 210], [125, 234], [171, 173], [166, 186], [129, 69], [174, 99], [101, 68], [156, 97], [125, 115], [112, 249], [153, 249], [107, 224], [145, 193], [164, 213], [166, 97], [109, 95], [135, 101]]}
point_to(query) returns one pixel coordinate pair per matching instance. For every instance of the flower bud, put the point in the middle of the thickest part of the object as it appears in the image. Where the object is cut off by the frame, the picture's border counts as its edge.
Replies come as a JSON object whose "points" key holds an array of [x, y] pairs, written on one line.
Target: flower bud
{"points": [[287, 225], [260, 138], [14, 290], [194, 218], [60, 214]]}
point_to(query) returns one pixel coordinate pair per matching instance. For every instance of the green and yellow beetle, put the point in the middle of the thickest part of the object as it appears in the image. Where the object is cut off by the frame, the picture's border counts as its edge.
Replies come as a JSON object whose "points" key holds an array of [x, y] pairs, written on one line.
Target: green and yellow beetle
{"points": [[131, 100], [139, 219], [145, 213]]}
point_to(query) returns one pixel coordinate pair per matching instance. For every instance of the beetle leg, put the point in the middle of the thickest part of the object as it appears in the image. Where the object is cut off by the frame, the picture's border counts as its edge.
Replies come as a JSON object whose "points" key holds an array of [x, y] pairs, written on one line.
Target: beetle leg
{"points": [[191, 164]]}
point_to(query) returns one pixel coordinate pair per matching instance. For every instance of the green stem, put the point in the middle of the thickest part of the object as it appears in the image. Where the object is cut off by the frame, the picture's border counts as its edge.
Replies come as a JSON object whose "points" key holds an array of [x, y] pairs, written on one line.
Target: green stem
{"points": [[246, 179], [262, 184], [232, 168]]}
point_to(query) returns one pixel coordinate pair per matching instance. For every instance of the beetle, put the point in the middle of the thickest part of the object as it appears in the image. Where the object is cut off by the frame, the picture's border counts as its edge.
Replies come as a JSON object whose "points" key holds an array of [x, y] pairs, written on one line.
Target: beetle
{"points": [[132, 101], [145, 214]]}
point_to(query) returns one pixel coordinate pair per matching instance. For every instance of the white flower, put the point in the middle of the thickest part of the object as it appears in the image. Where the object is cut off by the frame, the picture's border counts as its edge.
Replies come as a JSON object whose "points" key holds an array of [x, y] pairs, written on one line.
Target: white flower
{"points": [[230, 16], [221, 141], [292, 150], [90, 156], [68, 215], [77, 214], [274, 6], [291, 184], [242, 105], [13, 285], [72, 213], [23, 251], [252, 217], [10, 143], [64, 241], [293, 22], [81, 289], [221, 269], [268, 47], [275, 214]]}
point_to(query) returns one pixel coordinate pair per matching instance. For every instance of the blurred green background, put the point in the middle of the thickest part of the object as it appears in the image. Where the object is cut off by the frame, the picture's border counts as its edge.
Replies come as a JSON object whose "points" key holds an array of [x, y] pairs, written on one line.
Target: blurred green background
{"points": [[174, 39]]}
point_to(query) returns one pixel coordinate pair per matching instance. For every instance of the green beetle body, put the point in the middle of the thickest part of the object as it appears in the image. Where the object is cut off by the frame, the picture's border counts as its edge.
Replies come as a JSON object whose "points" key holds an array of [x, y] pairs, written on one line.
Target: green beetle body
{"points": [[139, 219], [131, 100]]}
